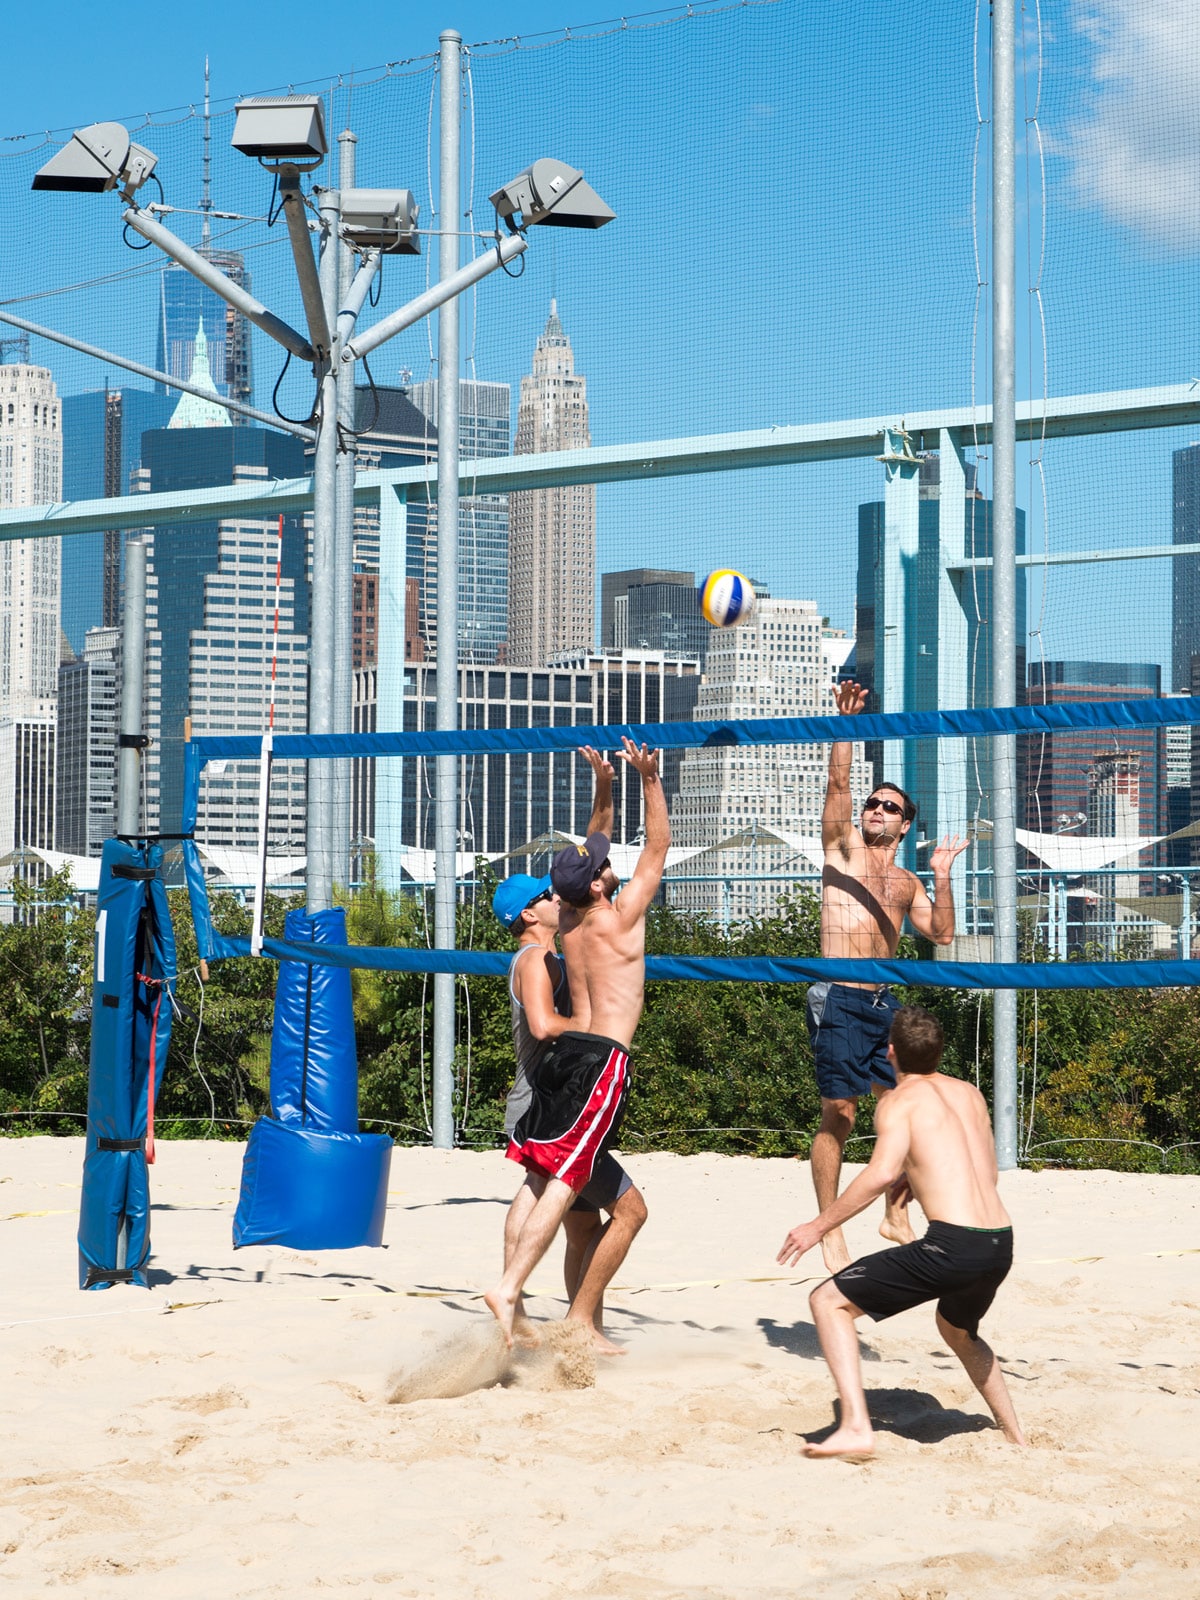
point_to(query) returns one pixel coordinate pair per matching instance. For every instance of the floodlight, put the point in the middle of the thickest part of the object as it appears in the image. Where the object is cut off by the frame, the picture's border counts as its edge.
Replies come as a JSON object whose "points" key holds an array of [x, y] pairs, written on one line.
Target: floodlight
{"points": [[551, 192], [381, 219], [282, 128], [95, 160]]}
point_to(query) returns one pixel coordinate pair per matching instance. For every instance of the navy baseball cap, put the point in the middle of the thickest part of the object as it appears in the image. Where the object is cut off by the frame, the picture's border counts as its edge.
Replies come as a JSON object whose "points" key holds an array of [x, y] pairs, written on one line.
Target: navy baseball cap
{"points": [[572, 870], [514, 894]]}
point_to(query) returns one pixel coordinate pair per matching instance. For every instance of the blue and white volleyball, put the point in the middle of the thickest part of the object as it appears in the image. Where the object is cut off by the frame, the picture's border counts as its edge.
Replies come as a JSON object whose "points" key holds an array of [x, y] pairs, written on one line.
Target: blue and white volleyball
{"points": [[726, 598]]}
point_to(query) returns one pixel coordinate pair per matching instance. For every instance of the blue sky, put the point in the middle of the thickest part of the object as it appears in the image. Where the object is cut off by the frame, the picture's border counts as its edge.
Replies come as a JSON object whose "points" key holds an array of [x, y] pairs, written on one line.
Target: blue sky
{"points": [[794, 241]]}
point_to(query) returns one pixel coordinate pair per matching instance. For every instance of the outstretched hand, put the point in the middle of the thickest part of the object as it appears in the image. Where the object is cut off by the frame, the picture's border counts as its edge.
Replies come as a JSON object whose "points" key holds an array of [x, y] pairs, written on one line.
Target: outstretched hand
{"points": [[850, 698], [642, 759], [944, 856], [799, 1242], [600, 764]]}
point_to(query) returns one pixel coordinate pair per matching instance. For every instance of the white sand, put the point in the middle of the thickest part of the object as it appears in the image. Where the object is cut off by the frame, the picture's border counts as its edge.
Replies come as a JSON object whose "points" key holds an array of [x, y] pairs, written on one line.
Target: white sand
{"points": [[225, 1436]]}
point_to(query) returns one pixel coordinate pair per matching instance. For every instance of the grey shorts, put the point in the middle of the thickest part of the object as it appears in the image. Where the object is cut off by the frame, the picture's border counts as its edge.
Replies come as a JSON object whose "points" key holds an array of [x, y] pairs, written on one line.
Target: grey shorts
{"points": [[609, 1181]]}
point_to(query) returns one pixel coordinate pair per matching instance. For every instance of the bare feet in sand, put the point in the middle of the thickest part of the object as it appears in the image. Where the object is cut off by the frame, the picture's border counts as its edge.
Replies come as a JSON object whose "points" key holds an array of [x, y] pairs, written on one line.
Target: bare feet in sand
{"points": [[504, 1311], [833, 1248], [526, 1333], [845, 1444]]}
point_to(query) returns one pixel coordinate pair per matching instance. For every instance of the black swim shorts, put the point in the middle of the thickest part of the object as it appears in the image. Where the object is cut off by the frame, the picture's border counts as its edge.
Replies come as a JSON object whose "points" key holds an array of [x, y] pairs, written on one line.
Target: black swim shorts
{"points": [[960, 1268], [580, 1088]]}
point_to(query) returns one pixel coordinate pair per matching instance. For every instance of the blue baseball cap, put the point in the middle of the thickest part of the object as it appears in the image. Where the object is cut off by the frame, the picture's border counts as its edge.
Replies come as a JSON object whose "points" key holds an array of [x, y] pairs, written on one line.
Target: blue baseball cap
{"points": [[514, 894]]}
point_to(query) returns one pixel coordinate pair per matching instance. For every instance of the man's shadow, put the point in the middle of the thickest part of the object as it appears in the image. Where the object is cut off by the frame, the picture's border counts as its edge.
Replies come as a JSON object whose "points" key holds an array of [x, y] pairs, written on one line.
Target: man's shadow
{"points": [[800, 1339], [910, 1414]]}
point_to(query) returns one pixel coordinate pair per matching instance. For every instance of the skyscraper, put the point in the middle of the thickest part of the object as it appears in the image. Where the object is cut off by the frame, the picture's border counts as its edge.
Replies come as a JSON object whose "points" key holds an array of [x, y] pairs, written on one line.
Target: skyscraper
{"points": [[30, 474], [552, 532], [210, 597], [1185, 570], [483, 431], [87, 726], [652, 609], [102, 440]]}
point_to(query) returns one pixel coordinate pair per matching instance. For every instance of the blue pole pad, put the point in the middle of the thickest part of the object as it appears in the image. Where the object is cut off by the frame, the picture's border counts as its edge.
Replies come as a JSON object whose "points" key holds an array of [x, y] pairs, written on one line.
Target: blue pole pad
{"points": [[314, 1065], [312, 1191]]}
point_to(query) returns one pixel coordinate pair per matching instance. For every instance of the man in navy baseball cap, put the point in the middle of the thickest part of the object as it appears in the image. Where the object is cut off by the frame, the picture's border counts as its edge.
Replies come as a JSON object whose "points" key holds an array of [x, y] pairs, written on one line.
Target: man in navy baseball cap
{"points": [[575, 869], [517, 894]]}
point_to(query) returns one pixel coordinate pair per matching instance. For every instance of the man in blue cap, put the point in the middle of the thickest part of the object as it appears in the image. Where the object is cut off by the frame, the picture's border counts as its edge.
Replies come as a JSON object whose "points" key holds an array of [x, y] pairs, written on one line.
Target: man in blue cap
{"points": [[582, 1082]]}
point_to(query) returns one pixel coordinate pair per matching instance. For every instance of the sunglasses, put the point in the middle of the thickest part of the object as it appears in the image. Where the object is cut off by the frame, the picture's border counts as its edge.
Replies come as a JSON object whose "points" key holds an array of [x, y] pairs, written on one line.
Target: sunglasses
{"points": [[890, 806], [546, 894]]}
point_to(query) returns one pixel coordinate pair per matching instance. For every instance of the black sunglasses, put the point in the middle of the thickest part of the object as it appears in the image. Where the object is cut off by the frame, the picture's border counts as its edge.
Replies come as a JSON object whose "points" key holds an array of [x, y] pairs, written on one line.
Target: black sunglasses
{"points": [[890, 806], [546, 894]]}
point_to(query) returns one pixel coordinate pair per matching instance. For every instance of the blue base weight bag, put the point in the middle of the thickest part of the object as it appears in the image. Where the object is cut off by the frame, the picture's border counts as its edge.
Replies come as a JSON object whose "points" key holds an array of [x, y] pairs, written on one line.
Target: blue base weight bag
{"points": [[312, 1191], [310, 1179], [132, 1006]]}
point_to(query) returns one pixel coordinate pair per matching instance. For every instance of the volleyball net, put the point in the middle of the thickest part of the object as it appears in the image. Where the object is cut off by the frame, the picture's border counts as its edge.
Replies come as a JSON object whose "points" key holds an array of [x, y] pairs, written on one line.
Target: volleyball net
{"points": [[1096, 909]]}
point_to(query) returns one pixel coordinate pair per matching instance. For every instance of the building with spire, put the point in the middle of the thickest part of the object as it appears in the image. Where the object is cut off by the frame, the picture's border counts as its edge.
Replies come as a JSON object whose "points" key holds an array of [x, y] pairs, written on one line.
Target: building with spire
{"points": [[30, 475], [211, 605], [552, 532]]}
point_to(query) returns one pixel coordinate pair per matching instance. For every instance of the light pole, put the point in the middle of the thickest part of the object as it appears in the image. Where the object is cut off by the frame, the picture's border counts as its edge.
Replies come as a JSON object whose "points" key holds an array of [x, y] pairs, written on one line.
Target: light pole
{"points": [[287, 136]]}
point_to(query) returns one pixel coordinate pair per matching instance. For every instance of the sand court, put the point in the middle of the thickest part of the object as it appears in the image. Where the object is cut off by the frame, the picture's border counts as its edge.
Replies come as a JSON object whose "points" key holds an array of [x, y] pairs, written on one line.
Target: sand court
{"points": [[229, 1432]]}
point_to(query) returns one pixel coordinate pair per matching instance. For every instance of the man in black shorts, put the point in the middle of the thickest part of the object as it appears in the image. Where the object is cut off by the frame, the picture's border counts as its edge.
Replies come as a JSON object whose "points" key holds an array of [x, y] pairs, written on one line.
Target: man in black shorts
{"points": [[934, 1132]]}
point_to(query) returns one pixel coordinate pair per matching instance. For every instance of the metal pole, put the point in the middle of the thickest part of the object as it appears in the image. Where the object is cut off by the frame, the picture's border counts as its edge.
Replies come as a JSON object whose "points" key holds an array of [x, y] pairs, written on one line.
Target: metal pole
{"points": [[445, 894], [133, 675], [1004, 570], [343, 674], [322, 635]]}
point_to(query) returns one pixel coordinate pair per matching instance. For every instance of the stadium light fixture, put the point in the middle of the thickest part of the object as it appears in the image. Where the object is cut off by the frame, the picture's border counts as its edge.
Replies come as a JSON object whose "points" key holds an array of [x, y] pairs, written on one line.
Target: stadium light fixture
{"points": [[552, 193], [95, 160], [282, 129], [381, 219]]}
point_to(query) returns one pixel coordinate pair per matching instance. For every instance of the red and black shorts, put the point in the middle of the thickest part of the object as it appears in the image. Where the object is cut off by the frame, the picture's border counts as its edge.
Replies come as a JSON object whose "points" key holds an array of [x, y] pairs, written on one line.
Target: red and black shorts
{"points": [[580, 1088]]}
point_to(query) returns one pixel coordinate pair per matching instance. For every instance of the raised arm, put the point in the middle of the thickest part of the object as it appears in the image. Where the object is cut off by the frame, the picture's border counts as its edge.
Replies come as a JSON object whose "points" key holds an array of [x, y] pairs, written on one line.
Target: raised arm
{"points": [[601, 820], [935, 918], [837, 819], [637, 894], [885, 1166]]}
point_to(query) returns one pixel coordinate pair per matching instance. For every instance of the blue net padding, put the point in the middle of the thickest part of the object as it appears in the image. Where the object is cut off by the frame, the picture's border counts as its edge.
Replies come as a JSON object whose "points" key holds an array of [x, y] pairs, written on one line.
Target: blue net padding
{"points": [[982, 723]]}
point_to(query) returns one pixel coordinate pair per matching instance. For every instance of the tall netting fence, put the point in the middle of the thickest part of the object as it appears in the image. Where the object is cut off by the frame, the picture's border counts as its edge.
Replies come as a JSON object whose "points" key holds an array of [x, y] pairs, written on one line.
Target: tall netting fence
{"points": [[802, 247]]}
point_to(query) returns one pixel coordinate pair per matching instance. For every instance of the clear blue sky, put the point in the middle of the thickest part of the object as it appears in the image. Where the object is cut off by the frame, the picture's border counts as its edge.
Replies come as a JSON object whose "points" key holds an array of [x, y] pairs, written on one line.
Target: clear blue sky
{"points": [[794, 238]]}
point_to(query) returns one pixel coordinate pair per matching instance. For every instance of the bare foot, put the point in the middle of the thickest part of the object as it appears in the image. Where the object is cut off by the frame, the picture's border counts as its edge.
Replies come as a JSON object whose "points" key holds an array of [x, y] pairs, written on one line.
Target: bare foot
{"points": [[526, 1333], [833, 1248], [897, 1228], [503, 1310], [603, 1345], [846, 1444]]}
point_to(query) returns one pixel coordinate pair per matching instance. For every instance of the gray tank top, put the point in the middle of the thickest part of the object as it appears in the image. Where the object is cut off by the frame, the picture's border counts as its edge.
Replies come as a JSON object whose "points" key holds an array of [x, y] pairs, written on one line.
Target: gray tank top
{"points": [[528, 1049]]}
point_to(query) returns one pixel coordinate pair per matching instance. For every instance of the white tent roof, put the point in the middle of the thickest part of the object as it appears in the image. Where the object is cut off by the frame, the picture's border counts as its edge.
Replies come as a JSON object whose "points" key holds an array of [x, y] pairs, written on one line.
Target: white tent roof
{"points": [[1065, 852], [85, 870], [241, 866]]}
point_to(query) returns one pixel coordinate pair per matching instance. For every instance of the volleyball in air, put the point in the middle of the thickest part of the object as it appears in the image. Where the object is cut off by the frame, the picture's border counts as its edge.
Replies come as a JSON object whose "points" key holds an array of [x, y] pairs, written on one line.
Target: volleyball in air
{"points": [[726, 598]]}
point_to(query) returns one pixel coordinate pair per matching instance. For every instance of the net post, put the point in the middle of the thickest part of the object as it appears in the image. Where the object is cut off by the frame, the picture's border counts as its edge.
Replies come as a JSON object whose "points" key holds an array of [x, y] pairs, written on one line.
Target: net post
{"points": [[446, 817], [950, 776], [133, 672], [347, 405], [389, 679], [1004, 570], [260, 887]]}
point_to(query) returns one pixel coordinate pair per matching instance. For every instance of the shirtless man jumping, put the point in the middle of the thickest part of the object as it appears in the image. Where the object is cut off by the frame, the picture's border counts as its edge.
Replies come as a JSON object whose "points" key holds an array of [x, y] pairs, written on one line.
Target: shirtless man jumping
{"points": [[865, 897], [934, 1131], [581, 1084]]}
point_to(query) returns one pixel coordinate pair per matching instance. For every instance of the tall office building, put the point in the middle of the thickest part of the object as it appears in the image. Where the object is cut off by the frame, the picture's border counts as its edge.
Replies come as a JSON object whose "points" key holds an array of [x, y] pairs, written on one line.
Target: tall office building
{"points": [[484, 430], [783, 662], [30, 474], [183, 303], [922, 671], [210, 598], [1185, 570], [87, 727], [552, 532], [652, 609], [1054, 770], [102, 440]]}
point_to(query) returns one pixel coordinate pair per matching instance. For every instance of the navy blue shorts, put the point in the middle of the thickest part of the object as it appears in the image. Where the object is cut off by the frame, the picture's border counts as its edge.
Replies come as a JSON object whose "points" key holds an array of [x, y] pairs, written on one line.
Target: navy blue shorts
{"points": [[849, 1029]]}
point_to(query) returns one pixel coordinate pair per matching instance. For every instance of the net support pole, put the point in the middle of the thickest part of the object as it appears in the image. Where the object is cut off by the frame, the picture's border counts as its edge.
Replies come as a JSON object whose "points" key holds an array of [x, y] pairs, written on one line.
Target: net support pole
{"points": [[343, 658], [951, 776], [446, 816], [1004, 568], [322, 620], [133, 675]]}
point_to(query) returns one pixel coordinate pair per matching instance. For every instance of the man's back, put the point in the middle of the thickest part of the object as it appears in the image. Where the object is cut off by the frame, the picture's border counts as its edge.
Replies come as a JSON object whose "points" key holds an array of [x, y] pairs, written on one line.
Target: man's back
{"points": [[605, 956], [951, 1165]]}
